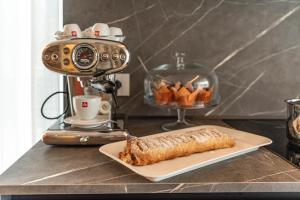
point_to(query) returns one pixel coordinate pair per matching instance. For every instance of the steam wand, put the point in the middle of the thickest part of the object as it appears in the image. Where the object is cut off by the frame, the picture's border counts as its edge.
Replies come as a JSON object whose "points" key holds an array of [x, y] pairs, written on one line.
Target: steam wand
{"points": [[107, 86]]}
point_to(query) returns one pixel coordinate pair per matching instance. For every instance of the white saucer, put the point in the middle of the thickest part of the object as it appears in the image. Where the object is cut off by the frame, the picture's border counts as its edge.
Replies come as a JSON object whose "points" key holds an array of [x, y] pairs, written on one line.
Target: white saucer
{"points": [[98, 121]]}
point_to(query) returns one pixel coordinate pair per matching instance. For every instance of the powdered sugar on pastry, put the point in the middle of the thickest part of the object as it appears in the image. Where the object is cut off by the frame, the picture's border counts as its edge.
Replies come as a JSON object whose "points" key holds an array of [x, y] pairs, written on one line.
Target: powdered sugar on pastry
{"points": [[144, 151]]}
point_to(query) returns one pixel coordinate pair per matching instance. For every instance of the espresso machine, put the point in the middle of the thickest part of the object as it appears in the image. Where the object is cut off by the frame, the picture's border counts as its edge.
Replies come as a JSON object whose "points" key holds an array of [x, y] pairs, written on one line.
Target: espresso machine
{"points": [[89, 65]]}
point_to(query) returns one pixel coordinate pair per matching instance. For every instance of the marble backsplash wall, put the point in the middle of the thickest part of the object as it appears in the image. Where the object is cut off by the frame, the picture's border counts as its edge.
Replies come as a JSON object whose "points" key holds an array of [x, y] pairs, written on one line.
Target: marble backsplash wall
{"points": [[253, 46]]}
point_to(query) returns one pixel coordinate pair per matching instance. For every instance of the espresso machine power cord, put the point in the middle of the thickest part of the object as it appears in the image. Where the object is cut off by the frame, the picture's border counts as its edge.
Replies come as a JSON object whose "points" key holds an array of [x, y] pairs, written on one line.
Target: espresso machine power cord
{"points": [[47, 99]]}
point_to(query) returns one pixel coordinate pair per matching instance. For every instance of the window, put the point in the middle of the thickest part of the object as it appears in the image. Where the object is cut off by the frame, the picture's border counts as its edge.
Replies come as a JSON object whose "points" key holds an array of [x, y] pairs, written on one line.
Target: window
{"points": [[27, 26]]}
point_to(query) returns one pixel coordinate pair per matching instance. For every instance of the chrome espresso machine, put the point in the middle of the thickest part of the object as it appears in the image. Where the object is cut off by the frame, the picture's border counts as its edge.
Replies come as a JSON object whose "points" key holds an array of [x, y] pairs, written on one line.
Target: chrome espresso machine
{"points": [[90, 65]]}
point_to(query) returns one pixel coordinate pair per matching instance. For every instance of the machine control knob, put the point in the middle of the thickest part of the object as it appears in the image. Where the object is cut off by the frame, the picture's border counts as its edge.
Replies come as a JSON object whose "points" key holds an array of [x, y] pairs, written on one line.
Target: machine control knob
{"points": [[122, 57], [46, 57], [104, 56], [84, 139], [66, 61], [66, 50], [54, 57], [115, 56]]}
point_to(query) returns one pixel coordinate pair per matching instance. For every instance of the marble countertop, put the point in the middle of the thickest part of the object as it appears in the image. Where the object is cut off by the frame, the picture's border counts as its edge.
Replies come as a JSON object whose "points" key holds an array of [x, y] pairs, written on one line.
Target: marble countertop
{"points": [[83, 170]]}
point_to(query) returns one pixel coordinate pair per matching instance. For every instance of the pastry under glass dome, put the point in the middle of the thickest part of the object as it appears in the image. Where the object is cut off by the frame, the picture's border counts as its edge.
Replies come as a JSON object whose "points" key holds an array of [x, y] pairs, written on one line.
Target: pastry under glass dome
{"points": [[181, 86]]}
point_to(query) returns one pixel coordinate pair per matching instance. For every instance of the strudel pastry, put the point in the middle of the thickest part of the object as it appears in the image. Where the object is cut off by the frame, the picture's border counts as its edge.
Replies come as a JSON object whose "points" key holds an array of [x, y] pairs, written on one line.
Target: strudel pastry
{"points": [[145, 151]]}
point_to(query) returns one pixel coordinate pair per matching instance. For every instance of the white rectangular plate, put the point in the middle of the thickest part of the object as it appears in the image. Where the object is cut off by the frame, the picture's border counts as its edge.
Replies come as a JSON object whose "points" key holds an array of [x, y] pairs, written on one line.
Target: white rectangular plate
{"points": [[245, 142]]}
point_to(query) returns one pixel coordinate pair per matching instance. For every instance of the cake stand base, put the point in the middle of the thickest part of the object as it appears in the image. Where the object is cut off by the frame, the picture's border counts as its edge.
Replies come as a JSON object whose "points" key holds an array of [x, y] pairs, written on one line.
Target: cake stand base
{"points": [[179, 124], [176, 125]]}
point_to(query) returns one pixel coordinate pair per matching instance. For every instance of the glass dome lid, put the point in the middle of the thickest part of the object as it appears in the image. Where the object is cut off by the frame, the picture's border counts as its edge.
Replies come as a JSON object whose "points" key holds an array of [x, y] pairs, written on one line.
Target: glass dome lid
{"points": [[181, 86]]}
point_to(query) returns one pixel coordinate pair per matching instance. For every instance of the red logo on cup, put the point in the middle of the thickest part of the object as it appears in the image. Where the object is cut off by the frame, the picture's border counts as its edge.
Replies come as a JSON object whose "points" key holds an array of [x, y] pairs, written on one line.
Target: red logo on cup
{"points": [[97, 33], [84, 104], [74, 33]]}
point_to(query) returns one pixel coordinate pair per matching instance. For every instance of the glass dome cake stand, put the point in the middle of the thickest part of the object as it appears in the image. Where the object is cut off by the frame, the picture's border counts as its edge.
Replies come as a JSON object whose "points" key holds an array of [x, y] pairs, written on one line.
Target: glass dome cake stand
{"points": [[182, 87]]}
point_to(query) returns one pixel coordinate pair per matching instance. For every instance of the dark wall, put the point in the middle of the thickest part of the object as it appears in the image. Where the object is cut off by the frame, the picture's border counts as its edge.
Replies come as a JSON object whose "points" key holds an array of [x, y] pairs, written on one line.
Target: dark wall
{"points": [[253, 45]]}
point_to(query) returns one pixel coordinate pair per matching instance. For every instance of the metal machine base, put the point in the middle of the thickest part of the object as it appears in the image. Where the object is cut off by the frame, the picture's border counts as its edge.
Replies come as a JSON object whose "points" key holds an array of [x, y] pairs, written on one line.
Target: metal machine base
{"points": [[64, 134]]}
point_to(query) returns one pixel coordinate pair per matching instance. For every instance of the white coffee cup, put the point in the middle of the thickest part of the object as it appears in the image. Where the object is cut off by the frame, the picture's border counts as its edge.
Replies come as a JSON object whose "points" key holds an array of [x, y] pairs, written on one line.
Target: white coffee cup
{"points": [[115, 31], [72, 30], [116, 34], [87, 32], [86, 106], [100, 30]]}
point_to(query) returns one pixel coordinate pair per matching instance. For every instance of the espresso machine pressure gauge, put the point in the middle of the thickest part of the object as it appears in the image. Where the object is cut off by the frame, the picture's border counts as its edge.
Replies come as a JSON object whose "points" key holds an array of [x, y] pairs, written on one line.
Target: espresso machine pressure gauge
{"points": [[84, 56]]}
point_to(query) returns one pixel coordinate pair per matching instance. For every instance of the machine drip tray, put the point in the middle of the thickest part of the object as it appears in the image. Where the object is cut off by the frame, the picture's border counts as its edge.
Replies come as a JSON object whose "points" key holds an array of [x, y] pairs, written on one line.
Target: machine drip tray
{"points": [[61, 133]]}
